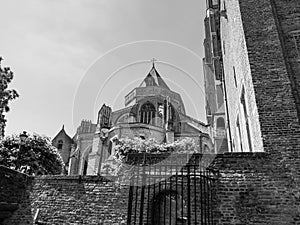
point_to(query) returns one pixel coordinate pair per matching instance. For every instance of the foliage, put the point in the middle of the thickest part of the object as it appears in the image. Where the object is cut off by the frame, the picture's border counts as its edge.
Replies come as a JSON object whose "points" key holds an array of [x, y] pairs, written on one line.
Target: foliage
{"points": [[116, 164], [6, 95], [125, 146], [33, 156]]}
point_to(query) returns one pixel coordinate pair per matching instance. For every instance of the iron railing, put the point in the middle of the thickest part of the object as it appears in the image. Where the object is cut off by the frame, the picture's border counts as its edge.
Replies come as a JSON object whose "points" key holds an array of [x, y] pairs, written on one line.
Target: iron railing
{"points": [[170, 189]]}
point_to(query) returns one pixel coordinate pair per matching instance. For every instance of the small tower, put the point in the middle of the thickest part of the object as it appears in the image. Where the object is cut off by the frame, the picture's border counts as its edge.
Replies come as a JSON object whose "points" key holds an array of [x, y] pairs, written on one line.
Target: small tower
{"points": [[63, 142]]}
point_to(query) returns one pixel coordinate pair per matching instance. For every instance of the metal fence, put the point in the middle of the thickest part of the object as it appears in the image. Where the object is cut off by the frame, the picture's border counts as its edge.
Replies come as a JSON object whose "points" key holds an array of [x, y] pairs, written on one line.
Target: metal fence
{"points": [[170, 189]]}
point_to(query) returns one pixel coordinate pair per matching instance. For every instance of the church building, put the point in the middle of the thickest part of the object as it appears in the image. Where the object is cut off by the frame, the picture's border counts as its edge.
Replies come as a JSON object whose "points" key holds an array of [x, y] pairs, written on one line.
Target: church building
{"points": [[151, 110]]}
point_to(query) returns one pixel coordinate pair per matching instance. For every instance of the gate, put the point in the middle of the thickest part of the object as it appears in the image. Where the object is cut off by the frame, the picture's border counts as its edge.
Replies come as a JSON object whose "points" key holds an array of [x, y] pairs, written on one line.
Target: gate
{"points": [[169, 189]]}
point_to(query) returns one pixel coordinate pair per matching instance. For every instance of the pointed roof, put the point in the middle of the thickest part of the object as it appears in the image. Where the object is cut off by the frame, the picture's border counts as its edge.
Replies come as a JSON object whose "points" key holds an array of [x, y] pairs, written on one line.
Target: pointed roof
{"points": [[154, 79], [61, 133]]}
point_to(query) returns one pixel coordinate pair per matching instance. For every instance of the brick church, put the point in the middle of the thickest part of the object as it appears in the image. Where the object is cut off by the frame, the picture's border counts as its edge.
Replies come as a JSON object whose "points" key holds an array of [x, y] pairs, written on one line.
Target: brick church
{"points": [[152, 110]]}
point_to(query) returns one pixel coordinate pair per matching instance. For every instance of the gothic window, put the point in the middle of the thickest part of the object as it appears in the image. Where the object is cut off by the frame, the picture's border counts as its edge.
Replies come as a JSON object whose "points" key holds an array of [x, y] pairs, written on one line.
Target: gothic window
{"points": [[60, 145], [147, 113], [296, 37], [110, 147], [104, 116], [243, 102], [85, 167]]}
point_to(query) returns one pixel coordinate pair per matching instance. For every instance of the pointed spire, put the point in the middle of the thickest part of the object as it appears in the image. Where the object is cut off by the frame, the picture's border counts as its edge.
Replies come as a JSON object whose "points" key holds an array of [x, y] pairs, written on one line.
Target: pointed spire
{"points": [[63, 127], [153, 78]]}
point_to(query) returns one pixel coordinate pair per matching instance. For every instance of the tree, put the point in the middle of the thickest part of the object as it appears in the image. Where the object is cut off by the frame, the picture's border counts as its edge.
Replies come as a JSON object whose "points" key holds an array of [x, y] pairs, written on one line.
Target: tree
{"points": [[34, 156], [6, 95]]}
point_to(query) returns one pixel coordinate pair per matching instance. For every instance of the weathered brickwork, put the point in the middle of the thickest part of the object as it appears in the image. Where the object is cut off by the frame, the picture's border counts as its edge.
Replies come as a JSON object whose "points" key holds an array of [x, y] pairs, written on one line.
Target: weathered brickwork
{"points": [[76, 200], [61, 199], [273, 91], [253, 189], [287, 16], [15, 205], [237, 76]]}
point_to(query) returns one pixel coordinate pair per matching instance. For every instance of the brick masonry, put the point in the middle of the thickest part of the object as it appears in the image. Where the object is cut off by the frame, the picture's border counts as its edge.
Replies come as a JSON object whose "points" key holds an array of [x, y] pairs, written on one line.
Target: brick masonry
{"points": [[287, 16], [15, 203], [75, 200], [63, 199], [253, 188]]}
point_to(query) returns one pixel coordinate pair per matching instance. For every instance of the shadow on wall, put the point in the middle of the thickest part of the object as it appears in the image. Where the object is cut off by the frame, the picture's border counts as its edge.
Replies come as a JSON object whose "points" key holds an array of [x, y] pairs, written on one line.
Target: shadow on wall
{"points": [[60, 199], [15, 204]]}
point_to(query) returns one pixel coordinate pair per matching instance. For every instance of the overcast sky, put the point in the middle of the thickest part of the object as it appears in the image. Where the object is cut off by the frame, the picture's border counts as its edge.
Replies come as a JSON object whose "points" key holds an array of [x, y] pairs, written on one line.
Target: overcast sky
{"points": [[62, 53]]}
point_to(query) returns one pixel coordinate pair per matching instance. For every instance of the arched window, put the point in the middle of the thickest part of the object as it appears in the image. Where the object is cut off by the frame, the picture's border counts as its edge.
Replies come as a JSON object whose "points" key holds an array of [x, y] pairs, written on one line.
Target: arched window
{"points": [[246, 118], [220, 123], [60, 145], [147, 113]]}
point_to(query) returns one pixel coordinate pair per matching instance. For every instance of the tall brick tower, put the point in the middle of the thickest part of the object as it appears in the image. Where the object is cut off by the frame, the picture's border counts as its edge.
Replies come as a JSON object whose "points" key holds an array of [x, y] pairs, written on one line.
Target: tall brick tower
{"points": [[261, 77], [260, 47], [246, 54], [212, 67]]}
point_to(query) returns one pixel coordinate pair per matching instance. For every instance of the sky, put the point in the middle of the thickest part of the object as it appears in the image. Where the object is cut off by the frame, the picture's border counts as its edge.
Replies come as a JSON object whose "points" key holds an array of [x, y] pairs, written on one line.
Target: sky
{"points": [[71, 56]]}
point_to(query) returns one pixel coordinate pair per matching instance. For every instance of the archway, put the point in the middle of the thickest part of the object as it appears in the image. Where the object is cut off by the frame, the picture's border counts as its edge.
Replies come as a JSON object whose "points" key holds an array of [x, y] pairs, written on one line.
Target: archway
{"points": [[169, 207]]}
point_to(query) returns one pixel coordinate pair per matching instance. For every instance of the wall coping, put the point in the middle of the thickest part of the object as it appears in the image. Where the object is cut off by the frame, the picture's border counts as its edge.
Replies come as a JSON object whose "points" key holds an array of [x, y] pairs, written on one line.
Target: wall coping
{"points": [[8, 170], [79, 178], [245, 155]]}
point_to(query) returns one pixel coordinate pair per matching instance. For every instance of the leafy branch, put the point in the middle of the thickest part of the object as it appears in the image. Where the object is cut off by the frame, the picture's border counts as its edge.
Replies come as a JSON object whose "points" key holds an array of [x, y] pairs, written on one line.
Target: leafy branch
{"points": [[6, 95]]}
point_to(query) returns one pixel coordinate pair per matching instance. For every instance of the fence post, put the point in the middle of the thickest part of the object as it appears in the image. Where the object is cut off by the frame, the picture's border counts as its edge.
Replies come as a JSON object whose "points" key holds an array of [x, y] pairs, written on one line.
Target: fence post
{"points": [[143, 189]]}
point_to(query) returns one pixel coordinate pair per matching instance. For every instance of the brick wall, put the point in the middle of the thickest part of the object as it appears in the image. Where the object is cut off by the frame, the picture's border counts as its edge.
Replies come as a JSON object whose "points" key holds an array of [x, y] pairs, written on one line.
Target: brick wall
{"points": [[287, 14], [272, 86], [61, 199], [15, 205], [253, 188], [76, 200]]}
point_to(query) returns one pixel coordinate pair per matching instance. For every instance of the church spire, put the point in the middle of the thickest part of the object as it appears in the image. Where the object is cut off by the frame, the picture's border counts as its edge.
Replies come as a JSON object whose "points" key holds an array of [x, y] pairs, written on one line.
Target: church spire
{"points": [[153, 78]]}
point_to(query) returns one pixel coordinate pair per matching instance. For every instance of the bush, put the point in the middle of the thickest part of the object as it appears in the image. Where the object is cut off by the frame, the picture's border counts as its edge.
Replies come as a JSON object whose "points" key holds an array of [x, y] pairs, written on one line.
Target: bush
{"points": [[33, 156]]}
